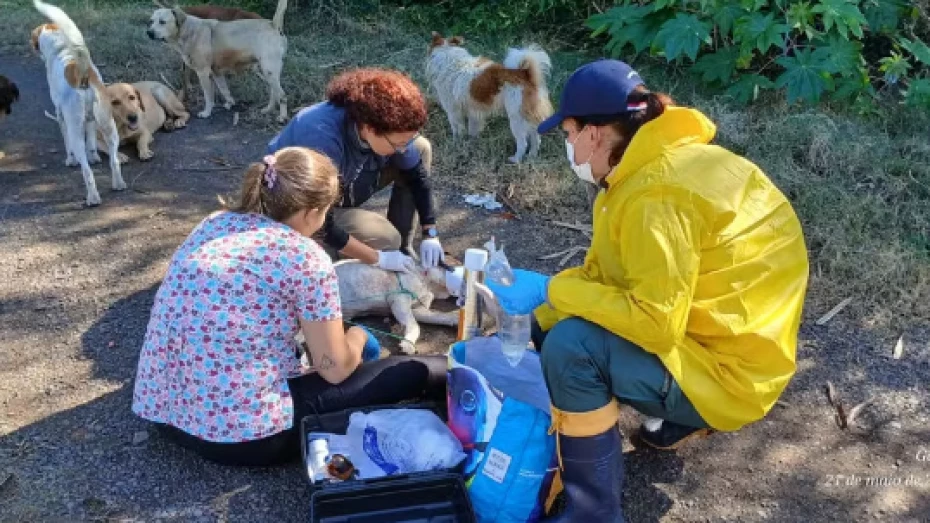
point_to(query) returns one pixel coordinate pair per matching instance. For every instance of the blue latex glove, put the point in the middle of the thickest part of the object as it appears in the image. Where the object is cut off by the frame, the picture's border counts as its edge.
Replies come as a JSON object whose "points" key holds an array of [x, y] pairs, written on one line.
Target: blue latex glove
{"points": [[528, 291], [371, 351]]}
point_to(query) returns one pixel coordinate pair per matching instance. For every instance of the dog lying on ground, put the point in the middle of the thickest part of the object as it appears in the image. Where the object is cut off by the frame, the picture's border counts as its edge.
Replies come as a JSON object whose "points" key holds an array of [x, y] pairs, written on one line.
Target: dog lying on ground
{"points": [[141, 109], [215, 48], [367, 290], [82, 105], [471, 88]]}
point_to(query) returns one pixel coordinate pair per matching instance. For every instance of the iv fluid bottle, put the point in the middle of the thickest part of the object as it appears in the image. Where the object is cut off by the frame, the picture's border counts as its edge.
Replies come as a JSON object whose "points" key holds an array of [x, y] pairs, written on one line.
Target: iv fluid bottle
{"points": [[513, 329]]}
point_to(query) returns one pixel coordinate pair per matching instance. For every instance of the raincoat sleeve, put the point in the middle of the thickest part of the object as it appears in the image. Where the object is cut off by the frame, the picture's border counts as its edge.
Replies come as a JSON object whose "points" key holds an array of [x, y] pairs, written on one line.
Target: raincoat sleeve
{"points": [[657, 242]]}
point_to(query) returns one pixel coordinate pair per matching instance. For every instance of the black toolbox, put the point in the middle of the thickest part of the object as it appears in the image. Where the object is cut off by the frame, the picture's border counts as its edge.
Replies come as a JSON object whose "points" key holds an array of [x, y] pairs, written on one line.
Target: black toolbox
{"points": [[425, 497]]}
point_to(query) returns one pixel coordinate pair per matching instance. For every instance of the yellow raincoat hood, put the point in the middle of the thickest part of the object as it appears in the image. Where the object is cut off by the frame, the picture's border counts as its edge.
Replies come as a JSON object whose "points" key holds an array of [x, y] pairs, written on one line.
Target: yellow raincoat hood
{"points": [[699, 259]]}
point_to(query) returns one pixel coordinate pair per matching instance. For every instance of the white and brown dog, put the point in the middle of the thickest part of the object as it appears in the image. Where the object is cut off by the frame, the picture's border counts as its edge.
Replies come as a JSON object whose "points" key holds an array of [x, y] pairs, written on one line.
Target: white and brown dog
{"points": [[470, 88], [82, 106], [368, 290], [141, 109], [214, 49]]}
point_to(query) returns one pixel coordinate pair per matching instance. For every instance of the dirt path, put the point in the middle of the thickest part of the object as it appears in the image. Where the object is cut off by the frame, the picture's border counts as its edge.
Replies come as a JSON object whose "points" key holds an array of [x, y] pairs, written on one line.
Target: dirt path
{"points": [[76, 286]]}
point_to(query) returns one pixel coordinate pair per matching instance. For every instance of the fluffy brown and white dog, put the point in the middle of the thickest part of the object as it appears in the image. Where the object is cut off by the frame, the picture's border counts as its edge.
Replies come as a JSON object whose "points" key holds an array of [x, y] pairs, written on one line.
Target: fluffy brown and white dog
{"points": [[141, 109], [470, 88], [213, 49], [82, 106]]}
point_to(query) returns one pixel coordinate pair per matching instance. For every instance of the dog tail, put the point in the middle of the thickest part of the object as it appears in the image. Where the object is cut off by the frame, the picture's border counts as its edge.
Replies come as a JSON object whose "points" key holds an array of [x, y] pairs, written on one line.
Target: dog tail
{"points": [[80, 72], [278, 20], [535, 106]]}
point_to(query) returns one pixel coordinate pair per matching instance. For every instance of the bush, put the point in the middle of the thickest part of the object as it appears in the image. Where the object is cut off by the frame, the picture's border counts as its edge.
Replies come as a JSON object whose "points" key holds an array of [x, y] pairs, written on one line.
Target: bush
{"points": [[490, 16], [851, 51]]}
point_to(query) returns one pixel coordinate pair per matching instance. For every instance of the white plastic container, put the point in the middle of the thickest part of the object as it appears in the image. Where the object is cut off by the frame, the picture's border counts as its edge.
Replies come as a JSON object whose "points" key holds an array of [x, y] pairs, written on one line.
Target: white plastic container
{"points": [[317, 454]]}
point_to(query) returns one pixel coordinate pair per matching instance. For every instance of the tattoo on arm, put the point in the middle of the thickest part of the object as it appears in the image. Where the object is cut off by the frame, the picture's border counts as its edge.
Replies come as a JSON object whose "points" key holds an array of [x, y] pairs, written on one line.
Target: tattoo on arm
{"points": [[326, 363]]}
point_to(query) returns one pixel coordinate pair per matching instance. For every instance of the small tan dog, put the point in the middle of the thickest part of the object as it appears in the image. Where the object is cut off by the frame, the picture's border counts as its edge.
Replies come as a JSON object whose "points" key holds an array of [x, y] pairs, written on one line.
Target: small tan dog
{"points": [[141, 109]]}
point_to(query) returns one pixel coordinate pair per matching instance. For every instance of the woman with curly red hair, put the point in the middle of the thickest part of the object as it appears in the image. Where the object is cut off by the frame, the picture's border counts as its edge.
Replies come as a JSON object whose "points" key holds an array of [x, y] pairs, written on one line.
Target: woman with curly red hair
{"points": [[369, 127]]}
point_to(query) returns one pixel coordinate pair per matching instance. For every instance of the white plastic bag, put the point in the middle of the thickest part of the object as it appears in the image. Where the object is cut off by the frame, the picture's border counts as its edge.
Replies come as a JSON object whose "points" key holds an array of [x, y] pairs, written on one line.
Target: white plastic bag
{"points": [[399, 441]]}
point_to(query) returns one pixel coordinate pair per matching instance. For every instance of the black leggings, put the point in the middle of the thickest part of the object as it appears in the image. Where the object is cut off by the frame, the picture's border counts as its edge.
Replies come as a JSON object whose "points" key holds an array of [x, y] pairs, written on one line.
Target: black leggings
{"points": [[383, 382]]}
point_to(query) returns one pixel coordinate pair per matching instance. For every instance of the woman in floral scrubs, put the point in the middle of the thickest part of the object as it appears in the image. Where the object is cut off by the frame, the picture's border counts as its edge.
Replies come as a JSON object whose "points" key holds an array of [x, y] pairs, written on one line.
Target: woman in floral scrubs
{"points": [[218, 371]]}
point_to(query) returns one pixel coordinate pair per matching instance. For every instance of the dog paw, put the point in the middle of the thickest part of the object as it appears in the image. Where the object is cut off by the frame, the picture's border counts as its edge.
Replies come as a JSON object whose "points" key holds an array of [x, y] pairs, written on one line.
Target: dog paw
{"points": [[228, 105], [204, 114], [93, 199], [93, 158], [146, 155], [179, 123], [119, 185], [514, 159], [122, 158], [408, 348], [70, 161]]}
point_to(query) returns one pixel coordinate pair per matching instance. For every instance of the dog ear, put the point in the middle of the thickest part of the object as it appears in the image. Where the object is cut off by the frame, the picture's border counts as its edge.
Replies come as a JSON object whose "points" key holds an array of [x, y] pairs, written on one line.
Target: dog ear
{"points": [[35, 37], [437, 39], [456, 40], [139, 97], [179, 15]]}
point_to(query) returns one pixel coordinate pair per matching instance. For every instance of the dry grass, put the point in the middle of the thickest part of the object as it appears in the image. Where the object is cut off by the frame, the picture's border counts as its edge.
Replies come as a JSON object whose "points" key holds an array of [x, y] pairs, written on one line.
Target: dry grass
{"points": [[862, 188]]}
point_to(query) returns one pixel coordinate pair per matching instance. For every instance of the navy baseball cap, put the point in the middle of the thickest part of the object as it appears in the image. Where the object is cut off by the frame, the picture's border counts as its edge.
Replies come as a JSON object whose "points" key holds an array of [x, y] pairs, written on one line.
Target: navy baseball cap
{"points": [[596, 91]]}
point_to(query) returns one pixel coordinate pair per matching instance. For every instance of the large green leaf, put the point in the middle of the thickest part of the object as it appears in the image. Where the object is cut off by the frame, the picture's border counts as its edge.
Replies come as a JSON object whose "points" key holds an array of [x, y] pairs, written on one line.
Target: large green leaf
{"points": [[853, 86], [918, 93], [883, 16], [842, 14], [683, 36], [658, 5], [838, 55], [761, 31], [894, 67], [717, 67], [800, 16], [626, 25], [806, 78], [917, 48], [726, 16], [748, 87]]}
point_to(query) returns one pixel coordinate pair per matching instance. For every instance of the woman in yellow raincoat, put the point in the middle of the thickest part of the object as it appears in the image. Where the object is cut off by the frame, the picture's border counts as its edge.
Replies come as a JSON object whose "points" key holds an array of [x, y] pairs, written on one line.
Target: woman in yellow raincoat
{"points": [[688, 304]]}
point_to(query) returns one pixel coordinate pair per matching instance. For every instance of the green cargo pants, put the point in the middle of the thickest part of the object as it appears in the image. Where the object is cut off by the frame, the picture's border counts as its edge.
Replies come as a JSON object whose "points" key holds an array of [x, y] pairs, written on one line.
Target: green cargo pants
{"points": [[587, 366]]}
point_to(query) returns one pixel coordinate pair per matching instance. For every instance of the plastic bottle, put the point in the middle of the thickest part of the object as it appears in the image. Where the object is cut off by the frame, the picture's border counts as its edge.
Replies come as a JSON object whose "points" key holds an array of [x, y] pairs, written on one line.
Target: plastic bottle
{"points": [[513, 329]]}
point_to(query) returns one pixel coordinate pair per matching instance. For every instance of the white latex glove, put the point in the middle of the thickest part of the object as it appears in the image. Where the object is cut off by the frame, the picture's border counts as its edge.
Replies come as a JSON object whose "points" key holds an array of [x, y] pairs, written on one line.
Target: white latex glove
{"points": [[430, 252], [396, 261], [454, 281]]}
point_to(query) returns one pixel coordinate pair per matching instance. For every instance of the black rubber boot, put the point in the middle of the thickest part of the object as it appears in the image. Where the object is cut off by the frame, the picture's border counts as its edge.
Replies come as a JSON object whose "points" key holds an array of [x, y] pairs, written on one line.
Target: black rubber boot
{"points": [[592, 474], [671, 436]]}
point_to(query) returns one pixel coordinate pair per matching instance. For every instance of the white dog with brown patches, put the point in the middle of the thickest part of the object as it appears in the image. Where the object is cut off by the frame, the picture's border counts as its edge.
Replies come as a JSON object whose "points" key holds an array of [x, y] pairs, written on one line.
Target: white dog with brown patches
{"points": [[367, 290], [213, 49], [81, 103], [470, 88]]}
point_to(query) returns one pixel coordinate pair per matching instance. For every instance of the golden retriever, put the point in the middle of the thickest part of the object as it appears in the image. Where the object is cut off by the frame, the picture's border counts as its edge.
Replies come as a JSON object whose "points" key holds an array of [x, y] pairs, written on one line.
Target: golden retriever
{"points": [[141, 109]]}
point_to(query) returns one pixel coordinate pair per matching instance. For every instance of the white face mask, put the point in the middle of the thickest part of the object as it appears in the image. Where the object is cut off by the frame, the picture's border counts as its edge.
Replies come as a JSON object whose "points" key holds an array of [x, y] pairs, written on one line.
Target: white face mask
{"points": [[582, 171]]}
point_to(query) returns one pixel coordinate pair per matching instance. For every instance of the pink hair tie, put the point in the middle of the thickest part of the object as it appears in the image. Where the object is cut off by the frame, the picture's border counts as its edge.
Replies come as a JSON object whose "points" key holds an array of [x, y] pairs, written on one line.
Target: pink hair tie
{"points": [[271, 175]]}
